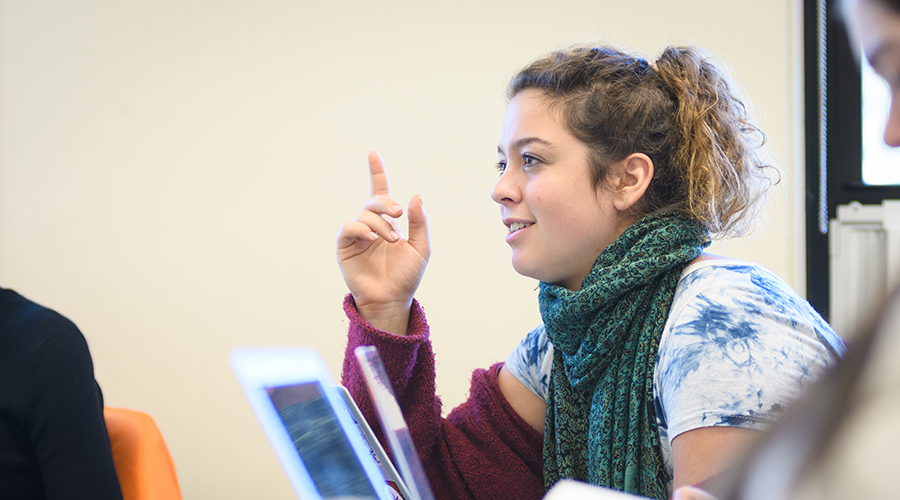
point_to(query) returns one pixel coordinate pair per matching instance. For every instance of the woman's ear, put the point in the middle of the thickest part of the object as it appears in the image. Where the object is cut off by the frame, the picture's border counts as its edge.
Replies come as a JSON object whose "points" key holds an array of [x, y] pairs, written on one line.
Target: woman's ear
{"points": [[635, 174]]}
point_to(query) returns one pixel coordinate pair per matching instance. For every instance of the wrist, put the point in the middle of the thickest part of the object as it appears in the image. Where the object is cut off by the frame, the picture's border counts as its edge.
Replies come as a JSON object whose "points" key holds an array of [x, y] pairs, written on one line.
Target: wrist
{"points": [[390, 317]]}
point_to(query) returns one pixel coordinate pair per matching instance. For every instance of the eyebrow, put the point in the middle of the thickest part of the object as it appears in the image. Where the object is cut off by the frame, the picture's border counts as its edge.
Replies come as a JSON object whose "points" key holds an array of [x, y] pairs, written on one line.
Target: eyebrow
{"points": [[521, 143]]}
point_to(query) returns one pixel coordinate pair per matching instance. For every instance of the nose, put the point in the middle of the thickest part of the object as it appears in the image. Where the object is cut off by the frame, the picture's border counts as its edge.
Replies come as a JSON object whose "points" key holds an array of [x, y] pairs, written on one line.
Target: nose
{"points": [[505, 191], [892, 129]]}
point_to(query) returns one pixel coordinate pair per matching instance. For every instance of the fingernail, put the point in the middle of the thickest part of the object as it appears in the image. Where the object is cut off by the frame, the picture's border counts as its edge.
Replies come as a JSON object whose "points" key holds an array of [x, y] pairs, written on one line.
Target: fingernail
{"points": [[394, 235], [397, 208], [373, 236]]}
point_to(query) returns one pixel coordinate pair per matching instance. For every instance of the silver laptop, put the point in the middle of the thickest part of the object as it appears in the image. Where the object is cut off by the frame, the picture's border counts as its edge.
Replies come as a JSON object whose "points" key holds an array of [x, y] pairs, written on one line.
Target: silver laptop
{"points": [[320, 437]]}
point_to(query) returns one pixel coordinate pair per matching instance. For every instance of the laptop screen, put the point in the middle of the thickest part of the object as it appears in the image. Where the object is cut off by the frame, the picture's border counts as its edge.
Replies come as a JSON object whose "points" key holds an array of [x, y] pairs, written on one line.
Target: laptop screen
{"points": [[320, 441]]}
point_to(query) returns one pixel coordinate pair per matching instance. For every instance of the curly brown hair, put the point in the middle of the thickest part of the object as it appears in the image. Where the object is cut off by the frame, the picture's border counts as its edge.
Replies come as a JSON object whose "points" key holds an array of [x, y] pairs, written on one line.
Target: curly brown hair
{"points": [[681, 112]]}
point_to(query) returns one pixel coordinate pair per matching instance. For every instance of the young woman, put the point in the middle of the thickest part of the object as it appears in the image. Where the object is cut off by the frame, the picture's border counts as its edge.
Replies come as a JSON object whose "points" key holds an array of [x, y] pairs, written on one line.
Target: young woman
{"points": [[655, 361]]}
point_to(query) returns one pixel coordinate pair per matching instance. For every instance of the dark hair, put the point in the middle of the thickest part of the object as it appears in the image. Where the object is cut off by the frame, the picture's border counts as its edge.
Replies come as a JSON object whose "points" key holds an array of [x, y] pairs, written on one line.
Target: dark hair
{"points": [[893, 5], [681, 112]]}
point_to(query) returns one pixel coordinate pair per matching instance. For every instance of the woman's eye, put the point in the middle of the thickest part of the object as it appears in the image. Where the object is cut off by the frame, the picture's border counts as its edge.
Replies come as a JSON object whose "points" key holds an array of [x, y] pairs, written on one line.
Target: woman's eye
{"points": [[501, 166], [528, 160]]}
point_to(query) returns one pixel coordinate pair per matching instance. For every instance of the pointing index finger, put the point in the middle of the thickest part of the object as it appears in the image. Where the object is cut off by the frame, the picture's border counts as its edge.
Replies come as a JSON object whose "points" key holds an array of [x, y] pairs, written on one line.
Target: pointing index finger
{"points": [[378, 176]]}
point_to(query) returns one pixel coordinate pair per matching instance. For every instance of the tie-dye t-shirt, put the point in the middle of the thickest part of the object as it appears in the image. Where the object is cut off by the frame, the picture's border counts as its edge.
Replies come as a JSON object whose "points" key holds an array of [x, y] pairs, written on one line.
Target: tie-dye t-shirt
{"points": [[738, 346]]}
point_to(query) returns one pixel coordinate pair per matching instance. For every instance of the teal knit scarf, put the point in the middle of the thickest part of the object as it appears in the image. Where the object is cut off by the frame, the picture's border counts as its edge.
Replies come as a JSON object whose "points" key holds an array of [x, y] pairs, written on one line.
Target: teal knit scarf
{"points": [[601, 423]]}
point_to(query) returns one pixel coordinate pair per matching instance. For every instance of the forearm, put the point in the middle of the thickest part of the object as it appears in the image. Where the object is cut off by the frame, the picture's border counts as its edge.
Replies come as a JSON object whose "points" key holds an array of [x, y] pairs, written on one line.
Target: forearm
{"points": [[409, 363], [483, 450]]}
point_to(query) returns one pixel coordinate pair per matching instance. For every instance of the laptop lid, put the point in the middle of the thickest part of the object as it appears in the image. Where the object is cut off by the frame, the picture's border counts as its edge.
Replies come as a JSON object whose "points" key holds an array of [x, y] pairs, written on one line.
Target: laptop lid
{"points": [[317, 437], [392, 422], [387, 466]]}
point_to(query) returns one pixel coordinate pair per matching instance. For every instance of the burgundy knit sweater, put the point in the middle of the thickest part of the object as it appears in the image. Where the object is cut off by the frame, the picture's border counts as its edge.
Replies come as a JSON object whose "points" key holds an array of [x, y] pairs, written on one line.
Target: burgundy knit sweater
{"points": [[483, 450]]}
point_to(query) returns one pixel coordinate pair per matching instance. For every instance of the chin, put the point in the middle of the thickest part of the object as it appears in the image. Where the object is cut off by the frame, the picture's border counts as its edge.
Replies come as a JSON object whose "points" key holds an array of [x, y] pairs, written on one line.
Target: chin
{"points": [[531, 270], [524, 269]]}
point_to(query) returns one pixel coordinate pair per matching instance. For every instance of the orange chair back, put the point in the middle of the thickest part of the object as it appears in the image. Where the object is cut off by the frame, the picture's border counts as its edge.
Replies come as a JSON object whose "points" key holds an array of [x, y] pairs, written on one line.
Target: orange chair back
{"points": [[143, 463]]}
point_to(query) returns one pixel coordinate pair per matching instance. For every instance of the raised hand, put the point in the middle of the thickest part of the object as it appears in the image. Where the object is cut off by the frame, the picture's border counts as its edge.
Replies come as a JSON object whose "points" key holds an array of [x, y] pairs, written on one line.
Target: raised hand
{"points": [[381, 269]]}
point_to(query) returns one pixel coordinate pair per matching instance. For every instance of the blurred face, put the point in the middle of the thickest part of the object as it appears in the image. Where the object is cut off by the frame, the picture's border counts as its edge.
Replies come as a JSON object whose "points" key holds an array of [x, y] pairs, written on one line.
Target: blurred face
{"points": [[877, 31], [558, 223]]}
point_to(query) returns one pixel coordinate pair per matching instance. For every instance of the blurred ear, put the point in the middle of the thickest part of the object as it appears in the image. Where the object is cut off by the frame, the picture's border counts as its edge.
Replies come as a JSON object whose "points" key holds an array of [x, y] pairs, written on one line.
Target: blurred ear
{"points": [[634, 174]]}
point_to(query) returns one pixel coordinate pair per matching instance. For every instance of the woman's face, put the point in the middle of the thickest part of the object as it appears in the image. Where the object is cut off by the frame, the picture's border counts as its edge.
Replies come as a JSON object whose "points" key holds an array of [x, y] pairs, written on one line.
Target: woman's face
{"points": [[558, 222], [877, 30]]}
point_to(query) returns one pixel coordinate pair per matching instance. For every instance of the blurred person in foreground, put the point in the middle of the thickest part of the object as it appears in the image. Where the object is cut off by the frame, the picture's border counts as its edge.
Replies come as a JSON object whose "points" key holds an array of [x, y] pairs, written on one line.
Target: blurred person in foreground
{"points": [[842, 439]]}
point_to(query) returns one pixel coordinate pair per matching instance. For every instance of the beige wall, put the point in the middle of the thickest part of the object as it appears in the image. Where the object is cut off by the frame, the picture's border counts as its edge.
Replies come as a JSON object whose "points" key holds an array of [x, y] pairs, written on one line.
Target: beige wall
{"points": [[173, 175]]}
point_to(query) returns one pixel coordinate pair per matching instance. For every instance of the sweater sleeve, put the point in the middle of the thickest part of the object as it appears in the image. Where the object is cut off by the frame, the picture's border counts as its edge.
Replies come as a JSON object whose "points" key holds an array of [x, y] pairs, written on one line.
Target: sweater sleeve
{"points": [[67, 430], [483, 450]]}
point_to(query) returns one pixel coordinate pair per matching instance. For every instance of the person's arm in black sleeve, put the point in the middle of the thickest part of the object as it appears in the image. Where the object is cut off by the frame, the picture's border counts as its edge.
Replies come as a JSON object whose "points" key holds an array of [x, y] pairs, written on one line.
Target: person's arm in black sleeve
{"points": [[68, 430]]}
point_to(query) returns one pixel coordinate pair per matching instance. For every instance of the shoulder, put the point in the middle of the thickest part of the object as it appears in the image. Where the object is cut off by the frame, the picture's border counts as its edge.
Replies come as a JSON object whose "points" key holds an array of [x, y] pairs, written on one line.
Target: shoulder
{"points": [[26, 325], [46, 357], [707, 277], [738, 346], [723, 306], [531, 360], [743, 299], [37, 340], [535, 346]]}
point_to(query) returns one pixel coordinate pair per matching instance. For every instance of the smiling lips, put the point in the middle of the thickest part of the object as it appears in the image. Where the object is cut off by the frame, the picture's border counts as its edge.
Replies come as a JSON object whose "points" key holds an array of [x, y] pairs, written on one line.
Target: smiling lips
{"points": [[515, 226]]}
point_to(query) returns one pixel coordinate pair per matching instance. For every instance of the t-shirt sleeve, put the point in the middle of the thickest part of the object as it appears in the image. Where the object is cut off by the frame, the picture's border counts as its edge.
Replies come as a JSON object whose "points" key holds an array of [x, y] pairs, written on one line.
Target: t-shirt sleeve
{"points": [[68, 430], [531, 360], [739, 346]]}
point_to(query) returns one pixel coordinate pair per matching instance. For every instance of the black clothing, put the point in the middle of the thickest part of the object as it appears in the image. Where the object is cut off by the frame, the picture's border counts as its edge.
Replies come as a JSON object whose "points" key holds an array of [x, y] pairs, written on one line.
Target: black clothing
{"points": [[53, 439]]}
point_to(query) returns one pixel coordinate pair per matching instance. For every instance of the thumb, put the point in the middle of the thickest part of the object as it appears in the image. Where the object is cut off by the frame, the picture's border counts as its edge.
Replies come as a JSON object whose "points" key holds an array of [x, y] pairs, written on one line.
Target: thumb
{"points": [[418, 227]]}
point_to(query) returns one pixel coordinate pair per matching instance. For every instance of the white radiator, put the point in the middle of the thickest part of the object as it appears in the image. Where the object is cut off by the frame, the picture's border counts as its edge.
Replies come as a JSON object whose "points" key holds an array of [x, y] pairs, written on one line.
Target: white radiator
{"points": [[865, 263]]}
